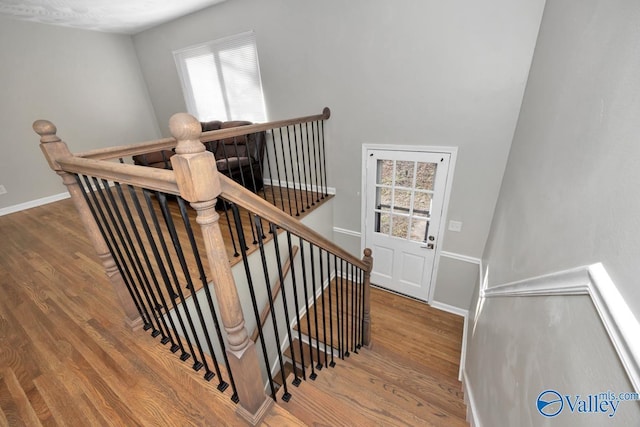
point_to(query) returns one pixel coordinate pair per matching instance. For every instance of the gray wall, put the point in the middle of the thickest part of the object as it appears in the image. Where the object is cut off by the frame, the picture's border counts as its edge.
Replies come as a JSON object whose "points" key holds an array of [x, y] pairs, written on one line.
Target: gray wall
{"points": [[87, 83], [569, 194], [526, 345], [568, 198], [402, 72]]}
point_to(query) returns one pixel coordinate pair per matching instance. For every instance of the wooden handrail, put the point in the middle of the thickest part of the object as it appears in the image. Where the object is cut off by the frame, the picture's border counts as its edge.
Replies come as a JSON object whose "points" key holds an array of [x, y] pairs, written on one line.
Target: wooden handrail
{"points": [[214, 135], [139, 176], [274, 293], [239, 195]]}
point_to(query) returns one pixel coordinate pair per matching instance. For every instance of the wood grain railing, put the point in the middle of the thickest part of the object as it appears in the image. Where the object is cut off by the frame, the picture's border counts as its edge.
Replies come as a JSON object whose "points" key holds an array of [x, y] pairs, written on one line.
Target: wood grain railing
{"points": [[123, 151], [194, 179]]}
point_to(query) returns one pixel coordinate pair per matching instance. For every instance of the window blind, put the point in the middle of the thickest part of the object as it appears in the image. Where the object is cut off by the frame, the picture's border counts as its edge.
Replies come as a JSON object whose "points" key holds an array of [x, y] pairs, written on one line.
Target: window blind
{"points": [[221, 79]]}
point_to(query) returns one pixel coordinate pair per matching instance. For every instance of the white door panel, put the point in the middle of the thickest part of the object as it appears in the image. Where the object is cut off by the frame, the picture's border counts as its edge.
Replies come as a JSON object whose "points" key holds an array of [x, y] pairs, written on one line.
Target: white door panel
{"points": [[404, 198]]}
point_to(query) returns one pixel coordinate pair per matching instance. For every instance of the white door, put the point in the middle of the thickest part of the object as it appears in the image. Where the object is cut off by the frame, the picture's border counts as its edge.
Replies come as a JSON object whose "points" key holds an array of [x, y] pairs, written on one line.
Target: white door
{"points": [[405, 192]]}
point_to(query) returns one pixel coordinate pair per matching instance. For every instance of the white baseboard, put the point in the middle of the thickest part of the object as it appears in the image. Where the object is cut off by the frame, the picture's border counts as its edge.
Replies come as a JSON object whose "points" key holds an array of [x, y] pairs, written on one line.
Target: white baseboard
{"points": [[297, 185], [449, 308], [619, 321], [472, 412], [33, 203]]}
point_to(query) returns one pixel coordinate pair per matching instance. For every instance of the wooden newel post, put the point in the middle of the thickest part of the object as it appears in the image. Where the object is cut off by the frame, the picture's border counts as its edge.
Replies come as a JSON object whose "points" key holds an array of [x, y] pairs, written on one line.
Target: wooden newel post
{"points": [[197, 178], [54, 148], [366, 318]]}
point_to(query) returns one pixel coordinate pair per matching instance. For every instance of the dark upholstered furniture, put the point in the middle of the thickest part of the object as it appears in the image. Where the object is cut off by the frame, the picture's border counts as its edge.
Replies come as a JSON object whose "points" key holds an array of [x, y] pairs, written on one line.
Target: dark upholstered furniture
{"points": [[240, 158]]}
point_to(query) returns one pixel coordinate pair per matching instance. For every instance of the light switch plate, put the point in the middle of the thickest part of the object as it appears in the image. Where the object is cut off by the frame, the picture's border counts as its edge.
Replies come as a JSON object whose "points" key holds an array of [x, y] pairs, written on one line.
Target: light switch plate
{"points": [[455, 225]]}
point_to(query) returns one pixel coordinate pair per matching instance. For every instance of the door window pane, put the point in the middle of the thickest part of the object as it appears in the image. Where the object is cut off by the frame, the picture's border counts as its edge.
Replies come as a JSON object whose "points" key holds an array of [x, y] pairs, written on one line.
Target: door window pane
{"points": [[400, 226], [419, 229], [383, 198], [402, 201], [404, 174], [385, 172], [422, 204], [383, 222], [425, 176]]}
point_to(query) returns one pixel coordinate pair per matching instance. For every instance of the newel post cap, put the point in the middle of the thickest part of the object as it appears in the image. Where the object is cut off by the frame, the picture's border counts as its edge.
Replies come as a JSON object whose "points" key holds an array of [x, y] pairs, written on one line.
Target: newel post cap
{"points": [[194, 166], [51, 145], [46, 130]]}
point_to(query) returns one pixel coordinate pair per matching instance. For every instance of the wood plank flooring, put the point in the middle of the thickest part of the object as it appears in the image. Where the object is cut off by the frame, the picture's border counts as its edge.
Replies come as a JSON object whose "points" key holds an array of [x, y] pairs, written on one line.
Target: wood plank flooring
{"points": [[66, 357], [65, 354]]}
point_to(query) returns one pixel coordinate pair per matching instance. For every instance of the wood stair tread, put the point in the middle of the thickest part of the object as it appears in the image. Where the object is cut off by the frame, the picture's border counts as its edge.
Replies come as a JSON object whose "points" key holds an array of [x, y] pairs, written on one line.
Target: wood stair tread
{"points": [[382, 402], [438, 389], [306, 349], [315, 407], [278, 416]]}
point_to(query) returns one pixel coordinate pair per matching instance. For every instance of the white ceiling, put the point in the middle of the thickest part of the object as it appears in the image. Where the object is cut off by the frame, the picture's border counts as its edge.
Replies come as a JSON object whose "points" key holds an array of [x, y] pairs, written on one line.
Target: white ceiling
{"points": [[115, 16]]}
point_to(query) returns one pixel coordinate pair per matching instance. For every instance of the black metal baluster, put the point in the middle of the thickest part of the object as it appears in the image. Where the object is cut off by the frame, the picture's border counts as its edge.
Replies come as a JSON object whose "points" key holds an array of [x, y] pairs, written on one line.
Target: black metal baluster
{"points": [[295, 138], [332, 363], [235, 145], [132, 255], [105, 236], [324, 162], [316, 152], [319, 167], [345, 314], [293, 176], [177, 344], [339, 305], [354, 317], [362, 285], [248, 148], [296, 303], [233, 239], [275, 154], [315, 303], [148, 323], [306, 306], [278, 171], [197, 365], [276, 248], [254, 303], [286, 396], [304, 162], [169, 263], [166, 337], [284, 167], [205, 286], [313, 171], [309, 145]]}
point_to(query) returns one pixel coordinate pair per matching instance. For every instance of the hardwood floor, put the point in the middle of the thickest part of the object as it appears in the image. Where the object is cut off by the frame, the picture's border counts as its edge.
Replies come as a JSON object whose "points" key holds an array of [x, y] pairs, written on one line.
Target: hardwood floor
{"points": [[66, 357]]}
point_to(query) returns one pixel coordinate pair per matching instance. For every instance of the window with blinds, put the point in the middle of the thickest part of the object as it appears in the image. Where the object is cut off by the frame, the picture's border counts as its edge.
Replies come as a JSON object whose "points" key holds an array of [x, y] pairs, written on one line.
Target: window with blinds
{"points": [[221, 79]]}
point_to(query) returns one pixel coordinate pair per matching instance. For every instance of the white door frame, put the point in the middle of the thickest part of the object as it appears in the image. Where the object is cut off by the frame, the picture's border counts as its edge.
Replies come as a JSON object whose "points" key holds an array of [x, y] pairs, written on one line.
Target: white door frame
{"points": [[453, 152]]}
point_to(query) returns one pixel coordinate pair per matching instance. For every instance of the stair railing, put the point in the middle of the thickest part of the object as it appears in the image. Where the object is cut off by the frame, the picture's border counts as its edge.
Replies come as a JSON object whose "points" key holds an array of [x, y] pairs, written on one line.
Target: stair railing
{"points": [[285, 161], [328, 297], [153, 260]]}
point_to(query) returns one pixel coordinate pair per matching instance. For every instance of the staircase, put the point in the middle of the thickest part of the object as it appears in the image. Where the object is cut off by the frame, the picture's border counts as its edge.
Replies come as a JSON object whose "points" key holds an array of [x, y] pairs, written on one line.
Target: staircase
{"points": [[377, 386], [147, 253]]}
